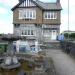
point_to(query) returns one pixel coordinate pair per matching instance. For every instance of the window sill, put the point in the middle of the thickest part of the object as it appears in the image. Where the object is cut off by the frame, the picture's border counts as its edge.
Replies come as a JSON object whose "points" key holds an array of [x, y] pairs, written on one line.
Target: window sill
{"points": [[49, 19], [27, 19], [27, 35]]}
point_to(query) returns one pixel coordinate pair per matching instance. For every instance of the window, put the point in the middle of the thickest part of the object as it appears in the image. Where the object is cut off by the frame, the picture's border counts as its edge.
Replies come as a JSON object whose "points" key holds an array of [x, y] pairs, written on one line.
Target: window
{"points": [[32, 32], [50, 15], [22, 32], [20, 14], [27, 14], [34, 15], [47, 33], [30, 14], [45, 15], [16, 25], [28, 32], [25, 32]]}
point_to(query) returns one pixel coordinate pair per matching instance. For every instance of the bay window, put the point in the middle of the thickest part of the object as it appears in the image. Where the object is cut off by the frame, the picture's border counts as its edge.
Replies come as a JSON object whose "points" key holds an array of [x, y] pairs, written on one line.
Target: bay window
{"points": [[28, 32], [50, 15], [27, 14]]}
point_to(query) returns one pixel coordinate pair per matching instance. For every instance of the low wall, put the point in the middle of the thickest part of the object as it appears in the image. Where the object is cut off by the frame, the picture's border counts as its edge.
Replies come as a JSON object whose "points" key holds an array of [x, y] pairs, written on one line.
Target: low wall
{"points": [[68, 47]]}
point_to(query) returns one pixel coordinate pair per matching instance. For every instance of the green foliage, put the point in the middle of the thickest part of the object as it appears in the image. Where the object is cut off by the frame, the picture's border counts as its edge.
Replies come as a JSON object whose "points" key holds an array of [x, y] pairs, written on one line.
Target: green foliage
{"points": [[66, 35], [3, 48], [1, 34], [72, 35]]}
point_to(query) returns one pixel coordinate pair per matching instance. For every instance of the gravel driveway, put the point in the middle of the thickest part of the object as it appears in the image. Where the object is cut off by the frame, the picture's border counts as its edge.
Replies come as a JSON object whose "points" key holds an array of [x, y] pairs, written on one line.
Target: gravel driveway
{"points": [[64, 64]]}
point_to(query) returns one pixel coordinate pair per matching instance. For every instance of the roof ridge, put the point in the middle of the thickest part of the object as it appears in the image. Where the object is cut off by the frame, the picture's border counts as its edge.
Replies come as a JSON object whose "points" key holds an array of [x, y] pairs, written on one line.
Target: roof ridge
{"points": [[50, 2], [43, 5]]}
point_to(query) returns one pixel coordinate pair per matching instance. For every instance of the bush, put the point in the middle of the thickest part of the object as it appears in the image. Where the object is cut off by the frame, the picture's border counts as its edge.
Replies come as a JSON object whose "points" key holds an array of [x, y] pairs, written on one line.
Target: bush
{"points": [[3, 48], [66, 35], [72, 35], [1, 34]]}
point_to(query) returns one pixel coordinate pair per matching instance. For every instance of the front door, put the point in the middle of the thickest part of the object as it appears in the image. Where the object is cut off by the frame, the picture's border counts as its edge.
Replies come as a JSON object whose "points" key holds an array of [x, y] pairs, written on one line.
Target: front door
{"points": [[53, 35]]}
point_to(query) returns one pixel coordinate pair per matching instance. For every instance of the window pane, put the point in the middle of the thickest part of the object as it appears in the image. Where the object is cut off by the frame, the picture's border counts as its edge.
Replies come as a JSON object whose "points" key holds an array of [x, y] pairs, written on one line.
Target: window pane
{"points": [[28, 32], [16, 25], [31, 32], [51, 15], [25, 14], [45, 15], [30, 14], [22, 32], [25, 32], [34, 15], [20, 14], [55, 15]]}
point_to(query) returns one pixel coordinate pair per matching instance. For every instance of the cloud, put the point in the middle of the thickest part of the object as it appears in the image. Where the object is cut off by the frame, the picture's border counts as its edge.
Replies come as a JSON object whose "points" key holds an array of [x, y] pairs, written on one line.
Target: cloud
{"points": [[10, 3], [6, 27], [3, 10], [64, 22], [48, 0], [64, 15]]}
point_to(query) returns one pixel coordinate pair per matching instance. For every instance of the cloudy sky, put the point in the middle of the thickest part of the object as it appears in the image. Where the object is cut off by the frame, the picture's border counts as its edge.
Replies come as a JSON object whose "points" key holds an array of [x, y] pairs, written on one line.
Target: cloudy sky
{"points": [[6, 17]]}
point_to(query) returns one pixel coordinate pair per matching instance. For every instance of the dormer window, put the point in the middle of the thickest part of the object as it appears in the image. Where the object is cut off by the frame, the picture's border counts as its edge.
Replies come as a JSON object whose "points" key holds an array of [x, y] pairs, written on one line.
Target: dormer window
{"points": [[27, 14], [50, 15]]}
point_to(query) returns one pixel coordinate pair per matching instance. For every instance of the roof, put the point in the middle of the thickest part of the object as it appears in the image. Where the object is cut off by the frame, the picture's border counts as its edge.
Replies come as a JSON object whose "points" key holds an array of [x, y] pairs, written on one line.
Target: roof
{"points": [[44, 6], [49, 6]]}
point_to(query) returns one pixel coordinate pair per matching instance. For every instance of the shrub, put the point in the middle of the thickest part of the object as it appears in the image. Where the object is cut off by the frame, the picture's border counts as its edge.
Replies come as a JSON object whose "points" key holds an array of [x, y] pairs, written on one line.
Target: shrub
{"points": [[3, 48], [72, 35], [66, 35]]}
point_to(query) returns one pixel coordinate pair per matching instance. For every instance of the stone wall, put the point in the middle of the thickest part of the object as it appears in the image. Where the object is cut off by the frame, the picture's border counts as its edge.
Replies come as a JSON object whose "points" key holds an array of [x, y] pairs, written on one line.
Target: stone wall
{"points": [[68, 47]]}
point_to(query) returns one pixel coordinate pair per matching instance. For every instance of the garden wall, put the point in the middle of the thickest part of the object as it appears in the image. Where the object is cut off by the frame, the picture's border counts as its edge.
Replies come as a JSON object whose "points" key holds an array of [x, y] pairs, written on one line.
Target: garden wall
{"points": [[68, 47]]}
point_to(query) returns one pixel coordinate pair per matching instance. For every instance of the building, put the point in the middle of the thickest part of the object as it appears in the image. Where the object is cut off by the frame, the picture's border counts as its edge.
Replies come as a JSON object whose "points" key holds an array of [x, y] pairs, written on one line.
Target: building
{"points": [[36, 20]]}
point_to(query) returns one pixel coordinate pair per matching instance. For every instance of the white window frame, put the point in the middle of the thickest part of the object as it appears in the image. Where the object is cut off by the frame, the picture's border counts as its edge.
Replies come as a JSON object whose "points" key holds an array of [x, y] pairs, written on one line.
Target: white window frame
{"points": [[28, 14], [47, 15], [28, 32], [20, 14]]}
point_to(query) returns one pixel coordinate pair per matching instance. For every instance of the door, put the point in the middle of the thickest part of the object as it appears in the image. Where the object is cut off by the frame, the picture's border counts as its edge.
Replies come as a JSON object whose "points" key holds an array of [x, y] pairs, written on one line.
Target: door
{"points": [[53, 35]]}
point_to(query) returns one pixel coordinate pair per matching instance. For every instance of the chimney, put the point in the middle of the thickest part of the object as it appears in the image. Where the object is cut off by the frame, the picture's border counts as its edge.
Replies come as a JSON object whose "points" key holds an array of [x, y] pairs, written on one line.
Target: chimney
{"points": [[58, 1]]}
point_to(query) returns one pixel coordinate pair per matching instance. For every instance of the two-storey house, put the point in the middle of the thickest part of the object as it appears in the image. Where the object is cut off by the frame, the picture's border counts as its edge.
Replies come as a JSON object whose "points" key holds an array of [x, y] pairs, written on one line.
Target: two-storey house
{"points": [[37, 20]]}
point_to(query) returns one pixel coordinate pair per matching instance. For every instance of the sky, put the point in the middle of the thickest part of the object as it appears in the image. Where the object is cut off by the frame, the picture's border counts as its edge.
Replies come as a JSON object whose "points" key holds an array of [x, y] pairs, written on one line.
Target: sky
{"points": [[6, 15]]}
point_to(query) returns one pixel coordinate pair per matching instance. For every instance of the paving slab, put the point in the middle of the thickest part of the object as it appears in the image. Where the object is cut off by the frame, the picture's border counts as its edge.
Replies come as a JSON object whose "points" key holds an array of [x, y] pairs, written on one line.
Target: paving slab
{"points": [[64, 64]]}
